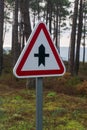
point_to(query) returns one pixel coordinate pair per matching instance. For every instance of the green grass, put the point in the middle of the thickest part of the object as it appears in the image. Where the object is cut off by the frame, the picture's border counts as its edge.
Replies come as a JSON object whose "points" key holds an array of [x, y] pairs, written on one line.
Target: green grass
{"points": [[60, 111]]}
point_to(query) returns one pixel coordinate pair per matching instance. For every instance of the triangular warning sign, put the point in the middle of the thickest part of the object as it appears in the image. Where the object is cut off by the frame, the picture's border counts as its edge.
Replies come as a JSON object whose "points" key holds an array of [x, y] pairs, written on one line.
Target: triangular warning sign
{"points": [[39, 57]]}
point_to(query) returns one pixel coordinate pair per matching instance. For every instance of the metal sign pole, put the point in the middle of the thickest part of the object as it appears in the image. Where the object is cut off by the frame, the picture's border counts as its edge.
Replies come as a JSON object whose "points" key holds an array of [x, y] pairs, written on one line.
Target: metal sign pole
{"points": [[39, 103]]}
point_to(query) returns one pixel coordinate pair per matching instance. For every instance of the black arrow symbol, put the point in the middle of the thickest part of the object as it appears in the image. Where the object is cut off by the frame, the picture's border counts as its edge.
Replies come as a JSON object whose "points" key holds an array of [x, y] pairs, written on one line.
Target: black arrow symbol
{"points": [[41, 55]]}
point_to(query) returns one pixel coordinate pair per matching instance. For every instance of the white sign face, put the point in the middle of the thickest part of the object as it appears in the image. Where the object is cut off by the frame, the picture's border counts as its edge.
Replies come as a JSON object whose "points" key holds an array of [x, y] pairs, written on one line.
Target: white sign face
{"points": [[39, 57], [32, 62]]}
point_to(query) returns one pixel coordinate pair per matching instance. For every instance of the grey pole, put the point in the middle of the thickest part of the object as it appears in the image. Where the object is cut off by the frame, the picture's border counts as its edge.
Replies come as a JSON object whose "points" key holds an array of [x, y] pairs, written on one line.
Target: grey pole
{"points": [[39, 103]]}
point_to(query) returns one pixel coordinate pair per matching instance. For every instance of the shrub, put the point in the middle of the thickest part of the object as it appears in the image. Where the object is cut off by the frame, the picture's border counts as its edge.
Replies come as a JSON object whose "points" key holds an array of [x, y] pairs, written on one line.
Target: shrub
{"points": [[74, 125], [82, 88], [73, 81]]}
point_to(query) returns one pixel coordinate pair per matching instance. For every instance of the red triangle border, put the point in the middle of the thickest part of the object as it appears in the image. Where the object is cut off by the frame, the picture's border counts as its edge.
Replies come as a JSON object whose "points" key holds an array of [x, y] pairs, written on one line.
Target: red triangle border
{"points": [[37, 73]]}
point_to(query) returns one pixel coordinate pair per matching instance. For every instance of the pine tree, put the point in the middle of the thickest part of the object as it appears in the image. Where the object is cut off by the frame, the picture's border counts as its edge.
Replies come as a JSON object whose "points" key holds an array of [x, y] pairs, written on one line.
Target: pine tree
{"points": [[79, 34], [1, 33], [73, 38]]}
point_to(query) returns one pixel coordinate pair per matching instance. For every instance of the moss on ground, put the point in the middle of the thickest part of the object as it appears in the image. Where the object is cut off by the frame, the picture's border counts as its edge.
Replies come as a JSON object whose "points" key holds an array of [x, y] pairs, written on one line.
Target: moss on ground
{"points": [[60, 111]]}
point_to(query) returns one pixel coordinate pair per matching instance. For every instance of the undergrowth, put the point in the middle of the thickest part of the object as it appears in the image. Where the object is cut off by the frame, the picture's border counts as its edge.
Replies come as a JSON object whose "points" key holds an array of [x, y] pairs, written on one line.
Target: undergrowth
{"points": [[64, 103]]}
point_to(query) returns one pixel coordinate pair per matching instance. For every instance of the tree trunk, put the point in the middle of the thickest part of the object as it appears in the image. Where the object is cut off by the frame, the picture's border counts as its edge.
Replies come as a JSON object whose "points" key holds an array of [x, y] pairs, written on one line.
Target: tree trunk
{"points": [[50, 16], [73, 38], [54, 26], [84, 37], [34, 19], [47, 11], [15, 34], [57, 20], [38, 9], [76, 69], [1, 33], [84, 48], [24, 8]]}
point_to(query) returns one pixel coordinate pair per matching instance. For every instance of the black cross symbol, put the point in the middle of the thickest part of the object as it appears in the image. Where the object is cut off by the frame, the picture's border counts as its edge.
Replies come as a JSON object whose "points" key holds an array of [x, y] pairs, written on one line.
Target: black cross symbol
{"points": [[41, 55]]}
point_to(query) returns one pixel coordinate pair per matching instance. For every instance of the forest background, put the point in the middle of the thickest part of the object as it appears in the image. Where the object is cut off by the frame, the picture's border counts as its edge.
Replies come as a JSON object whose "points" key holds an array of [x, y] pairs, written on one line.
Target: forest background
{"points": [[64, 98], [60, 16]]}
